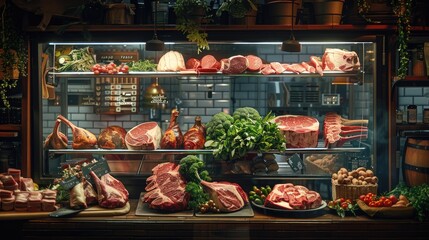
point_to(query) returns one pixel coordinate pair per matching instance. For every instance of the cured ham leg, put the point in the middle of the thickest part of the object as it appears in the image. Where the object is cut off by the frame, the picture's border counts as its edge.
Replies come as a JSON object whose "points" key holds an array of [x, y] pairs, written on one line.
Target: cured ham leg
{"points": [[82, 138], [56, 139]]}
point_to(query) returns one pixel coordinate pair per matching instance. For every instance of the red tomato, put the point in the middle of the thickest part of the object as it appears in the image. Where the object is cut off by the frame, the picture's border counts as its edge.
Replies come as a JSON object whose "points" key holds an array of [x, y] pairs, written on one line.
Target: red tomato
{"points": [[371, 204], [362, 197], [387, 203], [96, 72], [393, 199], [367, 200], [382, 198], [378, 204], [340, 200], [344, 205]]}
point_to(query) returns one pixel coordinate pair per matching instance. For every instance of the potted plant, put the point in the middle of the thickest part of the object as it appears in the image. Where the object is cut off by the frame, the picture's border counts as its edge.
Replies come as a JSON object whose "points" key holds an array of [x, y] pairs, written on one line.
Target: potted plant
{"points": [[13, 51], [238, 9], [190, 15], [402, 10]]}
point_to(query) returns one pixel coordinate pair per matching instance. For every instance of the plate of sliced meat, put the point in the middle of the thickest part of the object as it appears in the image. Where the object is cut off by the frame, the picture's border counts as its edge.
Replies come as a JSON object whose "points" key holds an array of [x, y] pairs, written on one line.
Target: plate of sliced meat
{"points": [[292, 201], [296, 213]]}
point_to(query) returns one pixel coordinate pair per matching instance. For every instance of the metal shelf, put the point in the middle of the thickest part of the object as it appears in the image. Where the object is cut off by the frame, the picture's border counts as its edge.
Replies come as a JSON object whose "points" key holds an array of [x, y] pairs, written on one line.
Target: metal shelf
{"points": [[198, 151]]}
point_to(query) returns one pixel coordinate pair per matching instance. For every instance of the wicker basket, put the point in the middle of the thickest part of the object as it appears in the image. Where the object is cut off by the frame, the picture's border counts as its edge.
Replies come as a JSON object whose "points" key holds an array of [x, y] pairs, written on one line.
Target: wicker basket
{"points": [[351, 192]]}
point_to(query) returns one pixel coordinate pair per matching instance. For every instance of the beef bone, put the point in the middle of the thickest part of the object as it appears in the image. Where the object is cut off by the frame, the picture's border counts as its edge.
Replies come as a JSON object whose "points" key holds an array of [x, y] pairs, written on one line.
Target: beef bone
{"points": [[82, 138], [339, 130]]}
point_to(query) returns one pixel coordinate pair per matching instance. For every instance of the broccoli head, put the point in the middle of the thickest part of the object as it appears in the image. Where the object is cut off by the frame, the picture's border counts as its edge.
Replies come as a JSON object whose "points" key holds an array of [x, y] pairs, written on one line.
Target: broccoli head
{"points": [[246, 113], [218, 126]]}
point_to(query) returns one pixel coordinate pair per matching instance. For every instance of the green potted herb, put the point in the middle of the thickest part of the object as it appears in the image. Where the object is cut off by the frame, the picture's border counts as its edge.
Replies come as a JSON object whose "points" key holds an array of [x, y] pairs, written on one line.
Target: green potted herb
{"points": [[13, 51], [238, 8], [190, 15], [402, 10]]}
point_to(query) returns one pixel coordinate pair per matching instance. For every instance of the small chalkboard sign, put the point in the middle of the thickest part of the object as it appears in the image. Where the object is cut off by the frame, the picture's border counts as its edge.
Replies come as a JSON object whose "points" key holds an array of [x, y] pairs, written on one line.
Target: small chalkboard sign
{"points": [[70, 182], [99, 168], [295, 162]]}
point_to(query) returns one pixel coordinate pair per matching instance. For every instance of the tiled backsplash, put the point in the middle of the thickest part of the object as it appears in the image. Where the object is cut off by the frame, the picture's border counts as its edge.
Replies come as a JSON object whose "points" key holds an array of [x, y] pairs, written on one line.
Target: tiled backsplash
{"points": [[413, 95], [204, 96]]}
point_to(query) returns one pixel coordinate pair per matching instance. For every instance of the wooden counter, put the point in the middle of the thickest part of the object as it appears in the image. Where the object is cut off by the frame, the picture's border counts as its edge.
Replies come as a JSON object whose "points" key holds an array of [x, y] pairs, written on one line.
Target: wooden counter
{"points": [[129, 226]]}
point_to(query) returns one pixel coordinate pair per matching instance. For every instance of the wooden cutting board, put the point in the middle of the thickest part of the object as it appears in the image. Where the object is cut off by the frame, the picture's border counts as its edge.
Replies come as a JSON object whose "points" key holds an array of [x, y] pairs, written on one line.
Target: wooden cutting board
{"points": [[95, 211], [144, 210]]}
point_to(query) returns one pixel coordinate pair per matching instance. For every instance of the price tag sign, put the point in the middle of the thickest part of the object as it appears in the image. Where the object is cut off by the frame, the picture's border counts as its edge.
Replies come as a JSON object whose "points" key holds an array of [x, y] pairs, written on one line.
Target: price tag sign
{"points": [[99, 168], [70, 182], [295, 162]]}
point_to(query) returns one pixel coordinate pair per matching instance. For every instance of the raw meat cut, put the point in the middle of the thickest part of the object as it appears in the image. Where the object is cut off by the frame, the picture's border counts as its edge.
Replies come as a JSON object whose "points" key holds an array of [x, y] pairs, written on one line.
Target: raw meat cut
{"points": [[166, 189], [112, 137], [194, 138], [308, 67], [56, 139], [193, 63], [267, 69], [290, 197], [255, 63], [208, 61], [278, 67], [340, 60], [171, 61], [82, 138], [145, 136], [299, 131], [173, 136], [316, 62], [228, 197], [235, 65], [111, 193], [295, 67], [338, 130]]}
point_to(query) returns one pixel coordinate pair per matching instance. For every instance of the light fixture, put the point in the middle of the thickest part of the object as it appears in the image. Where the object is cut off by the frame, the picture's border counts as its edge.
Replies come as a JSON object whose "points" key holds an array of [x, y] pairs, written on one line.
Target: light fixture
{"points": [[155, 44], [291, 45]]}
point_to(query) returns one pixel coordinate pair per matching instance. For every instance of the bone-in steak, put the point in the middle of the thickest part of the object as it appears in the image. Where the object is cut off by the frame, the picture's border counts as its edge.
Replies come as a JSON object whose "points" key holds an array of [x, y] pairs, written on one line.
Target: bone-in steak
{"points": [[228, 197], [166, 189], [146, 136]]}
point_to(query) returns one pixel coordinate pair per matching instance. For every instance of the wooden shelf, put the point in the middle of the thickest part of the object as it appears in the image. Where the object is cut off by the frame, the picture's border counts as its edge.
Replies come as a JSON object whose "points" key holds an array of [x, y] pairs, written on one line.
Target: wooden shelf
{"points": [[10, 127], [412, 81], [412, 127]]}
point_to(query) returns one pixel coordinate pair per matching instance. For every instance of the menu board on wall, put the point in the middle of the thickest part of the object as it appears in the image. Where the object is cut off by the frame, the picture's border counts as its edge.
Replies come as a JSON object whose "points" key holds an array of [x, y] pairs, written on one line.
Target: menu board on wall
{"points": [[116, 95]]}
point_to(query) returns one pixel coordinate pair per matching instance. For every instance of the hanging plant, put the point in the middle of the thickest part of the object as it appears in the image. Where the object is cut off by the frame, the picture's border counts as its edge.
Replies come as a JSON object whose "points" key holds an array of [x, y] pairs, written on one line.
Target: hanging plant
{"points": [[189, 16], [13, 51], [363, 9], [402, 9]]}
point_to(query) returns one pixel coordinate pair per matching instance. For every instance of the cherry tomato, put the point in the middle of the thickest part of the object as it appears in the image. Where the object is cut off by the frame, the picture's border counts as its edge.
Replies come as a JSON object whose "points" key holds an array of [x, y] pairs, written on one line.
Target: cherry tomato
{"points": [[382, 198], [362, 197], [393, 199], [387, 203], [371, 204], [344, 205], [367, 200], [96, 72]]}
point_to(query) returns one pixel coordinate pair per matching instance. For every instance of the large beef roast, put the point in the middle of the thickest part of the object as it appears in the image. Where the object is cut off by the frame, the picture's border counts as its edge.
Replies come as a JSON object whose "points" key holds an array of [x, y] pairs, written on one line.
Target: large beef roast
{"points": [[146, 136], [228, 197], [299, 131], [288, 196], [112, 137], [166, 189], [111, 193], [340, 60]]}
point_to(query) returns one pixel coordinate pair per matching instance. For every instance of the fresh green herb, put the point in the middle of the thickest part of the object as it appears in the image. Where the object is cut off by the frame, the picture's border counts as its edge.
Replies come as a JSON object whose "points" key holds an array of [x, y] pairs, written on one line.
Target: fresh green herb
{"points": [[192, 169], [418, 197], [146, 65], [81, 61], [243, 135]]}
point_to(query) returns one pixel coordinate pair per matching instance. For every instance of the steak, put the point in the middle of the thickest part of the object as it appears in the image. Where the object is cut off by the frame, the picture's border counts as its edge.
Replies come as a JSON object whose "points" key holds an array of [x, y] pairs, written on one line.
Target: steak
{"points": [[111, 193], [208, 61], [292, 197], [166, 189], [255, 63], [145, 136], [235, 65], [340, 60], [299, 131], [228, 197]]}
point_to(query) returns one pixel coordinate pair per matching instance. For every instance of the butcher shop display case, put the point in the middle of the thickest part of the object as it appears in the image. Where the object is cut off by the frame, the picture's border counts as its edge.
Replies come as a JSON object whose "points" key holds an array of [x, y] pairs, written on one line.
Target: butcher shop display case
{"points": [[324, 99]]}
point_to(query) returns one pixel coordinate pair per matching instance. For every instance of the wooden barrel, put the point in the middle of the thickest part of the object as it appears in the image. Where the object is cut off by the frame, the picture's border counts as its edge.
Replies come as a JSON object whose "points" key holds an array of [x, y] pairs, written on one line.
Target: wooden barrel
{"points": [[416, 161]]}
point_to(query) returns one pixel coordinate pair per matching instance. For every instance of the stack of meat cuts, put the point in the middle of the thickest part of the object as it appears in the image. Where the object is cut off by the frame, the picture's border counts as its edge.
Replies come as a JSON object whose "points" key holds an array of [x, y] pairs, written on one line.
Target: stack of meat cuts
{"points": [[299, 131], [338, 130], [166, 189], [289, 197]]}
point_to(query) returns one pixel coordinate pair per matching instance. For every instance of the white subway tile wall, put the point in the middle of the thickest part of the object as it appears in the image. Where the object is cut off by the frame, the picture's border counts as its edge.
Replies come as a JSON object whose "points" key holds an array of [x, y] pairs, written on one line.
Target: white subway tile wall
{"points": [[418, 96]]}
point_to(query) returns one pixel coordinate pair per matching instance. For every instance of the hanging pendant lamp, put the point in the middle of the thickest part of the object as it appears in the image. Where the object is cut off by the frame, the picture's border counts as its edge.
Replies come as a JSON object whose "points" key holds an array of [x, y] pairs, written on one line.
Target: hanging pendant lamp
{"points": [[291, 45], [155, 44]]}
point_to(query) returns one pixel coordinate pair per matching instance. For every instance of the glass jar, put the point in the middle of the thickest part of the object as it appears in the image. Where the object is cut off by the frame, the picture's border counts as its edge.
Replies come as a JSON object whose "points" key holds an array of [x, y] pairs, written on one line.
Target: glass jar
{"points": [[426, 115], [399, 116], [412, 114]]}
